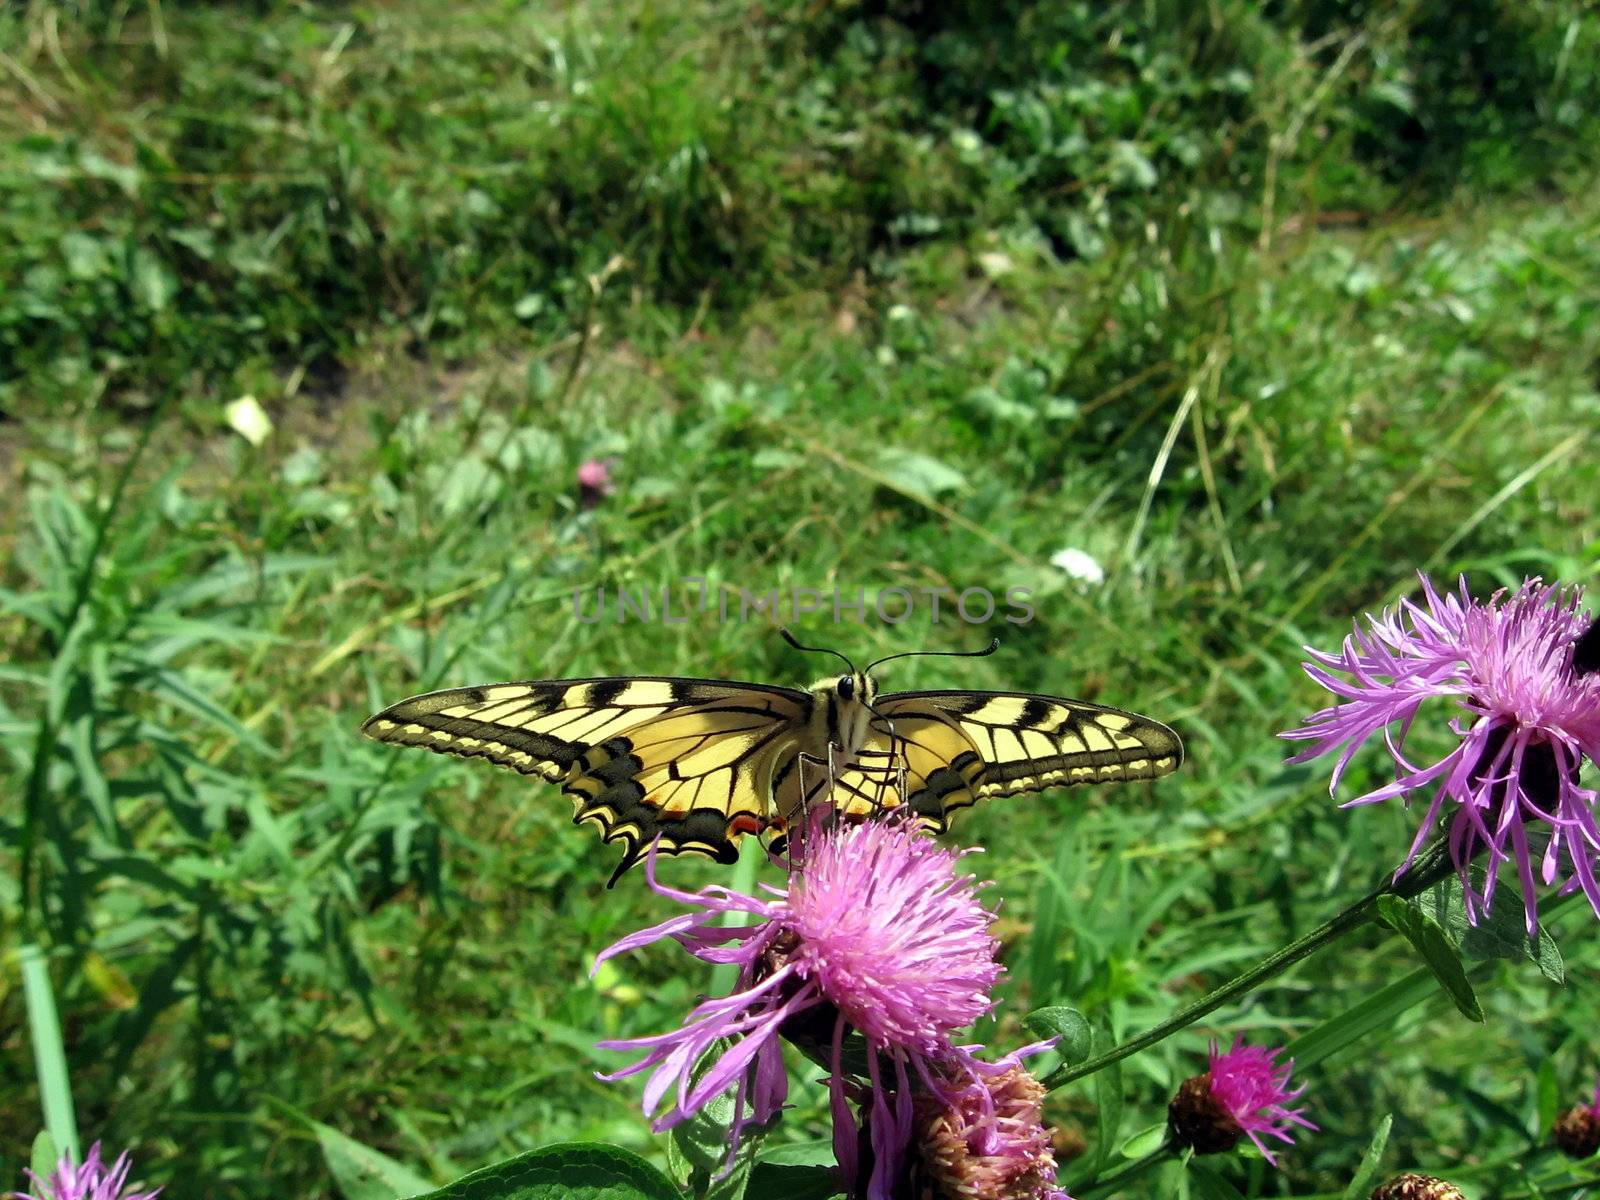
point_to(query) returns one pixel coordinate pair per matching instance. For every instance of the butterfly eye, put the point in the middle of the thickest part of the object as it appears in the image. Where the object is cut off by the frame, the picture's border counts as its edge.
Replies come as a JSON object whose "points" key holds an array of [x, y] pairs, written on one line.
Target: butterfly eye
{"points": [[847, 687]]}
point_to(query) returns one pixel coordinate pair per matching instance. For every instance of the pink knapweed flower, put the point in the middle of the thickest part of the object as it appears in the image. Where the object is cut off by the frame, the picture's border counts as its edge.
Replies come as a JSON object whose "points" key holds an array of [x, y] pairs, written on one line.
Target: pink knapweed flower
{"points": [[987, 1139], [91, 1179], [1525, 719], [1245, 1093], [875, 932], [1255, 1090]]}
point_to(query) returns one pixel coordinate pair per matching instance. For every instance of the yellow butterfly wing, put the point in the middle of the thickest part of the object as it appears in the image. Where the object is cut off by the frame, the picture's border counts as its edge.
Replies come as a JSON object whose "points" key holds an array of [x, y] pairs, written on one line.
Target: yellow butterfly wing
{"points": [[690, 761], [959, 747]]}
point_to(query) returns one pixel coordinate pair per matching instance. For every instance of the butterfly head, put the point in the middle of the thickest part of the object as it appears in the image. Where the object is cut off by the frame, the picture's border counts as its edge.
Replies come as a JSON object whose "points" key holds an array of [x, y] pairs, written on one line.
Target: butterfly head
{"points": [[851, 692]]}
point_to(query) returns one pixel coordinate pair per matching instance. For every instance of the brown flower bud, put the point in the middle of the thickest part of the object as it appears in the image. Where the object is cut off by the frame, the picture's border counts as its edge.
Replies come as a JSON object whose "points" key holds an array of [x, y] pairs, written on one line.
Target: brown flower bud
{"points": [[1577, 1132], [1198, 1120], [1069, 1143], [1418, 1187]]}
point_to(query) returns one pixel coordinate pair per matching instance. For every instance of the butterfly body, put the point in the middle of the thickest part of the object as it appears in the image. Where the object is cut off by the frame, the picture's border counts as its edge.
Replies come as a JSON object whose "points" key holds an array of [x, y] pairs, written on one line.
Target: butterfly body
{"points": [[693, 764]]}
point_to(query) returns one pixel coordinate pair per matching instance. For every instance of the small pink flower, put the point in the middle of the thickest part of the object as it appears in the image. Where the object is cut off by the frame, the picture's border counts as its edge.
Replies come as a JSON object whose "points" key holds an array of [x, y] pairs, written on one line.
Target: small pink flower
{"points": [[1244, 1093], [90, 1180], [1526, 718], [1255, 1091], [594, 481], [875, 932]]}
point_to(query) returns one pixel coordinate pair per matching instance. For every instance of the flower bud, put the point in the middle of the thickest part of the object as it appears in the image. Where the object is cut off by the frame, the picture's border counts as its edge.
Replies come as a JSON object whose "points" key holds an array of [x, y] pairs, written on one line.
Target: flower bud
{"points": [[1198, 1120], [1577, 1132], [1418, 1187]]}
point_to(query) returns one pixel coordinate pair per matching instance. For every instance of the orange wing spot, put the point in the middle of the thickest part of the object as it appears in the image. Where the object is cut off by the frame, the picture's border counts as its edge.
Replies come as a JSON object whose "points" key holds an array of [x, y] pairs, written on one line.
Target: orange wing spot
{"points": [[778, 825], [745, 823]]}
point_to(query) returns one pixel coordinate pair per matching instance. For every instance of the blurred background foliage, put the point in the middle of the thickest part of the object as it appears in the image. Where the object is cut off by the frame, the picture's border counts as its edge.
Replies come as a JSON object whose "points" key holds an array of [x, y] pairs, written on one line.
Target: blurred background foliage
{"points": [[308, 314]]}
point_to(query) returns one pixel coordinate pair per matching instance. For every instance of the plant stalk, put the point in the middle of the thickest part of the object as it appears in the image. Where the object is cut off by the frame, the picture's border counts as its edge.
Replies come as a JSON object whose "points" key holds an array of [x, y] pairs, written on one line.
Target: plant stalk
{"points": [[1433, 866]]}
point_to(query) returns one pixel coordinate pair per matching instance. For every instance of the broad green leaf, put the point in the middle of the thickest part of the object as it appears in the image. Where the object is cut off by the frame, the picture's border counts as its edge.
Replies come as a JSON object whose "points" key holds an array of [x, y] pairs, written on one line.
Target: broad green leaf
{"points": [[1548, 957], [697, 1150], [1361, 1181], [1367, 1016], [1499, 933], [1146, 1142], [776, 1181], [363, 1173], [815, 1153], [569, 1171], [1067, 1024], [1427, 937]]}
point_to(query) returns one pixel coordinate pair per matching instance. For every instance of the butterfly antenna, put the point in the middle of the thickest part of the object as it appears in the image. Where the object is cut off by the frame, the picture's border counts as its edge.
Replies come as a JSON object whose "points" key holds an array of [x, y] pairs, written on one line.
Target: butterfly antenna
{"points": [[986, 651], [789, 637]]}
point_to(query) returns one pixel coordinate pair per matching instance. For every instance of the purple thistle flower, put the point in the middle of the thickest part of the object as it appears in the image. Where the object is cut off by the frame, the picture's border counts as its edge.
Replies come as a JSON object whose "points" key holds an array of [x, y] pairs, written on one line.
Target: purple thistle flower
{"points": [[875, 932], [1526, 719], [989, 1139], [92, 1180]]}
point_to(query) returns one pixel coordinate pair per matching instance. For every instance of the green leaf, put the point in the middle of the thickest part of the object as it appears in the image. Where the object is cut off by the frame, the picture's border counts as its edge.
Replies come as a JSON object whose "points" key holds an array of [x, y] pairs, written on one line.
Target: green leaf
{"points": [[1548, 1091], [815, 1153], [1427, 937], [1208, 1185], [917, 475], [1499, 933], [1362, 1179], [1548, 957], [1067, 1024], [697, 1150], [777, 1181], [152, 282], [44, 1155], [1368, 1016], [1146, 1142], [568, 1171], [363, 1173], [1108, 1102], [178, 691]]}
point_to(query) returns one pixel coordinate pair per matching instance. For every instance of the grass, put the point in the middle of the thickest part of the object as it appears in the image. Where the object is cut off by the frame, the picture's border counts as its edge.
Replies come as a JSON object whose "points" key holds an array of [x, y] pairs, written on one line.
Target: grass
{"points": [[856, 297]]}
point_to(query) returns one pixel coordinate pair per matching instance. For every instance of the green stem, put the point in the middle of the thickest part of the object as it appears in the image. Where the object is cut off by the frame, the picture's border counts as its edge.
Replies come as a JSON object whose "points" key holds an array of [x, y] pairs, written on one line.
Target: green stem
{"points": [[1134, 1170], [752, 854], [44, 742], [1433, 865]]}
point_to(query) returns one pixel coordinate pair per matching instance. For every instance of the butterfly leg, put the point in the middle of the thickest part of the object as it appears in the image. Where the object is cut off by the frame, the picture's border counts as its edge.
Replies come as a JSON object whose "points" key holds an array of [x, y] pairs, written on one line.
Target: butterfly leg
{"points": [[886, 769], [819, 788]]}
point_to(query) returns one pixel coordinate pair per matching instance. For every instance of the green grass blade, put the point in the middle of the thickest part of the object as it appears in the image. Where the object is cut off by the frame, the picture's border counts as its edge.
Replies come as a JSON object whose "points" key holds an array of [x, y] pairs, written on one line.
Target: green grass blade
{"points": [[49, 1057], [1357, 1021]]}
